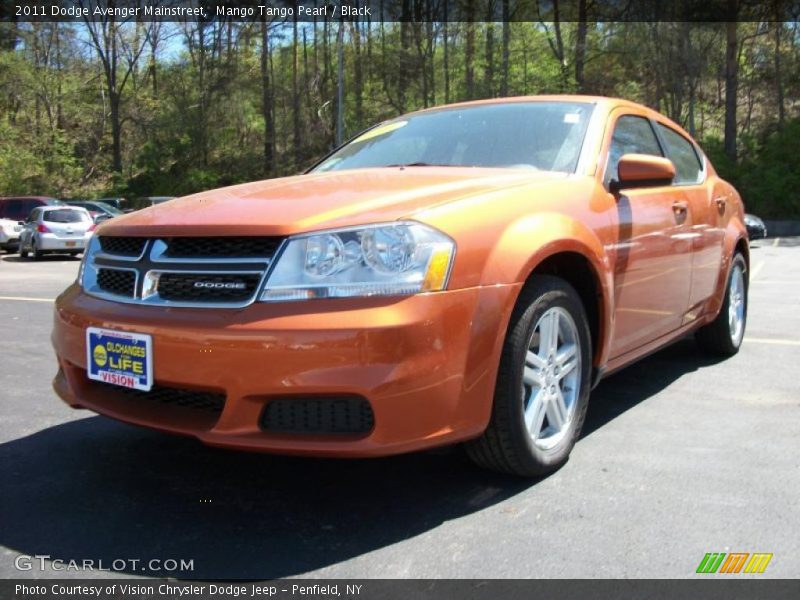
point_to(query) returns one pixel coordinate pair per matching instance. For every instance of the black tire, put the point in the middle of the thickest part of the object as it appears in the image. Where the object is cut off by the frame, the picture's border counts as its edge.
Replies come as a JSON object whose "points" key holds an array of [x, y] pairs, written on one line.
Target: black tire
{"points": [[716, 338], [22, 252], [37, 254], [506, 445]]}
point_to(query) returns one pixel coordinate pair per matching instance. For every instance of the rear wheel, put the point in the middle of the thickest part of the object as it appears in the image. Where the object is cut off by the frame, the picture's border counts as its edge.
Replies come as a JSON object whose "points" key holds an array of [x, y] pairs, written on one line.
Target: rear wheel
{"points": [[723, 336], [542, 388], [37, 254]]}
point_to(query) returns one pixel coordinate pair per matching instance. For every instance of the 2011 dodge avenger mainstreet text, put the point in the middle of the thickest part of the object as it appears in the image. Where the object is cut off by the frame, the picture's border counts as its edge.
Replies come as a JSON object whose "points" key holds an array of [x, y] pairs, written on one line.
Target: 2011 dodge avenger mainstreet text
{"points": [[460, 274]]}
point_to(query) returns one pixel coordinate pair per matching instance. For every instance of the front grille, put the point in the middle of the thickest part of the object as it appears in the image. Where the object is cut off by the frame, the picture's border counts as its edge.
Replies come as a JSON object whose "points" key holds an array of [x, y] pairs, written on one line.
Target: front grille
{"points": [[190, 399], [318, 416], [180, 271], [194, 287], [117, 282], [222, 247], [122, 246]]}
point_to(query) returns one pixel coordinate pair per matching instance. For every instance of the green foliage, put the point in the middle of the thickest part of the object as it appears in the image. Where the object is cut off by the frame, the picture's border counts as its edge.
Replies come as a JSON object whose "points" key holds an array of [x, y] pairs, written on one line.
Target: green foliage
{"points": [[192, 115], [770, 180]]}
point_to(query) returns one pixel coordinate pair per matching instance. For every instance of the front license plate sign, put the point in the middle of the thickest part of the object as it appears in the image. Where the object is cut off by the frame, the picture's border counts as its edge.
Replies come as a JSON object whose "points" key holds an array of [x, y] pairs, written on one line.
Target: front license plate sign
{"points": [[120, 358]]}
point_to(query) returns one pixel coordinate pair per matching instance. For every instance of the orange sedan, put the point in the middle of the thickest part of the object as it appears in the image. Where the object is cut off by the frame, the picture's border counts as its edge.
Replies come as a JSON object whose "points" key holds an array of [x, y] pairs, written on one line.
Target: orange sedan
{"points": [[461, 274]]}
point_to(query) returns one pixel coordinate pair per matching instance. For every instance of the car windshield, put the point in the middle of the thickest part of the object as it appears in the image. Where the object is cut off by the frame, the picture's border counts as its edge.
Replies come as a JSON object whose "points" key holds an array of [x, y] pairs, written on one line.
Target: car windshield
{"points": [[538, 135], [64, 215]]}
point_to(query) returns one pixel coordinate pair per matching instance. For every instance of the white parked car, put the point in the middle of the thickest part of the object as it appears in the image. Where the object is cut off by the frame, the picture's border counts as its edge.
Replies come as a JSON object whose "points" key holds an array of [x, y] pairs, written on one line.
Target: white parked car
{"points": [[9, 235], [56, 229]]}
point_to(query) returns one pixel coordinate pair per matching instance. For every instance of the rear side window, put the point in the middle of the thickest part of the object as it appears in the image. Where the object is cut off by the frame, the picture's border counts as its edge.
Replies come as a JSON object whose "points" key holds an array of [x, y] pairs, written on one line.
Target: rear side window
{"points": [[688, 168], [632, 135], [65, 216]]}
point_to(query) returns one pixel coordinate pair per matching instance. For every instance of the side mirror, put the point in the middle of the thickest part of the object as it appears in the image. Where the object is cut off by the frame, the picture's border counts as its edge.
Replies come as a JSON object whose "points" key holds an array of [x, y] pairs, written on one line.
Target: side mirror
{"points": [[643, 170]]}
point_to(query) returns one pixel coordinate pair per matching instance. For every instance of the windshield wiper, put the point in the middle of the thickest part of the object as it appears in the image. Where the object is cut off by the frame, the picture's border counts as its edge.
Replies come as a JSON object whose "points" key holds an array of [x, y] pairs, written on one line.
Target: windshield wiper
{"points": [[417, 164]]}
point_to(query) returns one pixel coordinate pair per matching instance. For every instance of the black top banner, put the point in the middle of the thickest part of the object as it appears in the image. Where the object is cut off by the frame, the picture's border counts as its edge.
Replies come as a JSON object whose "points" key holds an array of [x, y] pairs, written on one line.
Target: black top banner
{"points": [[400, 10]]}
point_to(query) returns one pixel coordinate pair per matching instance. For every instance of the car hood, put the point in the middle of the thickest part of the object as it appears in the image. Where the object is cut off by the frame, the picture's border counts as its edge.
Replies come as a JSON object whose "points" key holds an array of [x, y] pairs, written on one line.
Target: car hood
{"points": [[318, 201]]}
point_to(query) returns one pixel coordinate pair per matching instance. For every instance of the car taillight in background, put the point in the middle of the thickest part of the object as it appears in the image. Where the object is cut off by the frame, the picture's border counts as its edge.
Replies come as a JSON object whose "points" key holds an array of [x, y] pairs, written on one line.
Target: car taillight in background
{"points": [[92, 227], [41, 228]]}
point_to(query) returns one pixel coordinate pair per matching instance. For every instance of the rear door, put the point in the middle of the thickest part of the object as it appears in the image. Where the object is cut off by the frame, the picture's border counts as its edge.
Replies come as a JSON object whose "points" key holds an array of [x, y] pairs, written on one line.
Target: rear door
{"points": [[706, 228], [653, 252]]}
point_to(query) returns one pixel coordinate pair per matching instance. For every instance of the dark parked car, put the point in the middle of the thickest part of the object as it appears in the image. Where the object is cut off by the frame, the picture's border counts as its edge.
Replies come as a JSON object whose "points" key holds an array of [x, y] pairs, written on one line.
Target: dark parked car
{"points": [[17, 208], [118, 203], [756, 229], [148, 201], [100, 211]]}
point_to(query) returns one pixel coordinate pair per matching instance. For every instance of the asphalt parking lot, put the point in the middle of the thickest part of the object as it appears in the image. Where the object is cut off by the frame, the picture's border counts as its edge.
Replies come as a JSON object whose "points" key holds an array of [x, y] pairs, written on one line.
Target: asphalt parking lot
{"points": [[681, 455]]}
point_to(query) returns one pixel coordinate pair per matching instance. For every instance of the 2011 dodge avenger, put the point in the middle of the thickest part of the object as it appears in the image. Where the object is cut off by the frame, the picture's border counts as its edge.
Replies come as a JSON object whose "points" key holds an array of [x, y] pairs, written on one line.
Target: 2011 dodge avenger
{"points": [[461, 274]]}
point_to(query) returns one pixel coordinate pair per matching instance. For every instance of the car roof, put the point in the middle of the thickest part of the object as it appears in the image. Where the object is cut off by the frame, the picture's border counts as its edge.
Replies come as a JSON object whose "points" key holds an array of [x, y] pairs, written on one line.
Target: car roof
{"points": [[62, 207], [44, 198]]}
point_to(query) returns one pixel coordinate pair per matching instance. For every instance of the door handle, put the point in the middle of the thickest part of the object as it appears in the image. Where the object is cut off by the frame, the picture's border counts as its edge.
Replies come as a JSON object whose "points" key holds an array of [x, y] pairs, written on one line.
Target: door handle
{"points": [[680, 208]]}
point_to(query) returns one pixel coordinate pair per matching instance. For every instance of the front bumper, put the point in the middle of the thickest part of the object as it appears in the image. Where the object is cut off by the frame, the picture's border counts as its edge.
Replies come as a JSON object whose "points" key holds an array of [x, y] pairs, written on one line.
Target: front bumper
{"points": [[9, 242], [426, 364]]}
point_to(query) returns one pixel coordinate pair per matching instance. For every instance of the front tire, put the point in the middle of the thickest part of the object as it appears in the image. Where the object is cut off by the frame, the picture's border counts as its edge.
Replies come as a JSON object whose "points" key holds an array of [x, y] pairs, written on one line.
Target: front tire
{"points": [[543, 383], [723, 336]]}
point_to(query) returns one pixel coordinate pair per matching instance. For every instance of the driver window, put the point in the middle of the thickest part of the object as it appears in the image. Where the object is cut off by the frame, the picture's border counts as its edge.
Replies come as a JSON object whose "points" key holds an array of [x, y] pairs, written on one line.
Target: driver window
{"points": [[632, 135]]}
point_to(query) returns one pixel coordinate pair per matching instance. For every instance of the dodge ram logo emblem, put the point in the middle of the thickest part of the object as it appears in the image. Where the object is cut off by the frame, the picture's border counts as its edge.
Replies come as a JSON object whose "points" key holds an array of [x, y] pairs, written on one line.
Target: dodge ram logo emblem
{"points": [[220, 285]]}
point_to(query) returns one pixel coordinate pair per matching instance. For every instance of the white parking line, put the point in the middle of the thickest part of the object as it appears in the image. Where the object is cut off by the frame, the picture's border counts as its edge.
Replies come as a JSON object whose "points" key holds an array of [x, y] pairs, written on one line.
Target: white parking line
{"points": [[23, 299], [756, 270], [776, 342], [776, 242]]}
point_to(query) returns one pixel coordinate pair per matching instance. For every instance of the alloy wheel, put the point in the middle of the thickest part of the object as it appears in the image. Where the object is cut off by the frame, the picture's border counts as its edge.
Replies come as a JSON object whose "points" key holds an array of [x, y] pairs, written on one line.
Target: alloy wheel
{"points": [[551, 378], [736, 304]]}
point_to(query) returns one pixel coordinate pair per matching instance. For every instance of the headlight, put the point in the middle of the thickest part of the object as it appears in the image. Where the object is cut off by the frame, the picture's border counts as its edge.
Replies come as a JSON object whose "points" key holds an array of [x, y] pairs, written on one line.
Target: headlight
{"points": [[392, 259]]}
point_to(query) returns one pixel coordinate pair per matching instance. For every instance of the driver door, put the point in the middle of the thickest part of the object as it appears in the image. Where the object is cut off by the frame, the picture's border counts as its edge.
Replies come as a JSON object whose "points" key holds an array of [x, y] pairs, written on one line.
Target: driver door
{"points": [[652, 253]]}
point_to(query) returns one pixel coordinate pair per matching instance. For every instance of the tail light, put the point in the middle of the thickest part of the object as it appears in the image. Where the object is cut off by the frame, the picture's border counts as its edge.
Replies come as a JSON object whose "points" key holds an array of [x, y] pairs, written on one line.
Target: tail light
{"points": [[92, 227], [42, 228]]}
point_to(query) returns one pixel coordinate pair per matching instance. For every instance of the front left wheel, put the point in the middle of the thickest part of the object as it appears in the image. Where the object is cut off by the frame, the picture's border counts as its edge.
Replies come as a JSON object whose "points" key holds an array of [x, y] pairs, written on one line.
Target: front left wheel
{"points": [[543, 383]]}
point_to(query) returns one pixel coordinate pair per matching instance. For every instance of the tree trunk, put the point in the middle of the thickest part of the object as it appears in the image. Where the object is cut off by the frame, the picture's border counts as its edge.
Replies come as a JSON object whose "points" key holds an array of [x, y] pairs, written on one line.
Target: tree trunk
{"points": [[445, 42], [266, 102], [469, 53], [116, 131], [358, 77], [580, 48], [295, 100], [488, 71], [506, 44], [779, 92], [731, 86]]}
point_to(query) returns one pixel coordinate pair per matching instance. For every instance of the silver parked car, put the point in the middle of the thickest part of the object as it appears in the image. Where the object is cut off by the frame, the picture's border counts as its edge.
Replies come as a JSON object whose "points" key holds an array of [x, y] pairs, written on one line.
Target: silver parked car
{"points": [[56, 229]]}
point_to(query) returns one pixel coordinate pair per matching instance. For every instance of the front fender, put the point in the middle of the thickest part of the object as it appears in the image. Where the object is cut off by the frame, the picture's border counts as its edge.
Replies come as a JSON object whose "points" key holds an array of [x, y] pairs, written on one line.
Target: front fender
{"points": [[529, 241]]}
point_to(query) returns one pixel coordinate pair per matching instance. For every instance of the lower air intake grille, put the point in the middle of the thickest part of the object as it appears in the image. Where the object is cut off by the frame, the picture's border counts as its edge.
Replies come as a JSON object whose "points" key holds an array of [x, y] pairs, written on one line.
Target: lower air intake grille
{"points": [[193, 287], [334, 415], [204, 401], [117, 281]]}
